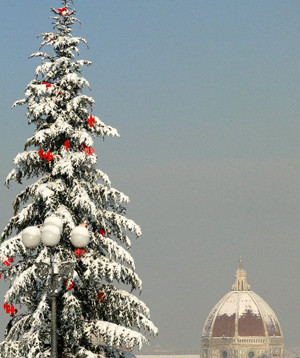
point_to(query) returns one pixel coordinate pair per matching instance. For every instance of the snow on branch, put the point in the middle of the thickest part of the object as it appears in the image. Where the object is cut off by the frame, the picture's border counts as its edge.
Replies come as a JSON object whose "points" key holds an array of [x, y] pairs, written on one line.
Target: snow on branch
{"points": [[71, 318], [10, 349], [81, 101], [20, 102], [133, 300], [74, 80], [122, 222], [11, 248], [103, 176], [21, 322], [63, 167], [81, 136], [102, 129], [114, 335], [116, 251], [18, 221], [46, 195], [41, 54], [104, 268], [63, 212], [19, 284], [84, 63], [12, 175], [81, 201], [25, 163], [38, 109], [83, 352]]}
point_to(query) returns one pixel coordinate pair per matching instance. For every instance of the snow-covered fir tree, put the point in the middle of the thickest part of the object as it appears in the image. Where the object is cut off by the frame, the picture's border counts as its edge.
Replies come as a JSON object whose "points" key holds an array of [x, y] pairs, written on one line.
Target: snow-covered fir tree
{"points": [[61, 159]]}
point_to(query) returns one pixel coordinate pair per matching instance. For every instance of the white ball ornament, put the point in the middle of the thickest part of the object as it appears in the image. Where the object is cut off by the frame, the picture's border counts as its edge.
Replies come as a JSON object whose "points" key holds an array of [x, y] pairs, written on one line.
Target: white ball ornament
{"points": [[31, 237], [50, 235], [80, 236], [54, 221]]}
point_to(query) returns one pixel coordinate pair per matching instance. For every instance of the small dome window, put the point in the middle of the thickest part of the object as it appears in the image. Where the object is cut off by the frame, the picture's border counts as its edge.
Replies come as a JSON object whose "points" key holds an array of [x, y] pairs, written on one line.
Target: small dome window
{"points": [[251, 354], [224, 354]]}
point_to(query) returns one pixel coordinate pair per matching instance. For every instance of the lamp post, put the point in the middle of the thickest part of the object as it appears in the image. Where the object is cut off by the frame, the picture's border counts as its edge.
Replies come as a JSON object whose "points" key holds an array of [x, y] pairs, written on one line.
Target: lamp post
{"points": [[50, 235]]}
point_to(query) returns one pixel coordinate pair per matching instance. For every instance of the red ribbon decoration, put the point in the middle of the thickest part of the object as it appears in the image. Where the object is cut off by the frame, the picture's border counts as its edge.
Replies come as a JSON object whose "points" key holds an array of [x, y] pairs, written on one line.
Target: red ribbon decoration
{"points": [[10, 309], [62, 10], [69, 286], [6, 263], [101, 296], [48, 156], [102, 232], [91, 121], [79, 253], [48, 85], [67, 145], [41, 153], [89, 151]]}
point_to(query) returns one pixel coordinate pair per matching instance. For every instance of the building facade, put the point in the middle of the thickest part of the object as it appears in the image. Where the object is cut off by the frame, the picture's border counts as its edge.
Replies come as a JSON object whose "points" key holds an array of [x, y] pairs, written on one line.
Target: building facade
{"points": [[242, 325]]}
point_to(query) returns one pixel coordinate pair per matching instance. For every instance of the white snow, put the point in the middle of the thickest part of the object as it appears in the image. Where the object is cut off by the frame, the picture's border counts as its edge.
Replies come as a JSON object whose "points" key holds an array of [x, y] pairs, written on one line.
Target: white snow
{"points": [[267, 313], [229, 305]]}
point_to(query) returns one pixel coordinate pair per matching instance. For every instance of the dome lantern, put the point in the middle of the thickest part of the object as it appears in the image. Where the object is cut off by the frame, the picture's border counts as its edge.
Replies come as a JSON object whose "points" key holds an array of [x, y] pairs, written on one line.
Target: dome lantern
{"points": [[241, 283]]}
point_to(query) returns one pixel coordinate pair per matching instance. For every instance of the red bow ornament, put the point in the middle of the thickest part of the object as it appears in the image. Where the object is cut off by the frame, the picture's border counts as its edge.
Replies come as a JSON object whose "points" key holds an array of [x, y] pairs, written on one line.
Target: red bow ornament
{"points": [[79, 253], [67, 145], [89, 150], [10, 309], [102, 232], [91, 121], [69, 286], [48, 156], [7, 261], [41, 153], [63, 11], [101, 296], [48, 85]]}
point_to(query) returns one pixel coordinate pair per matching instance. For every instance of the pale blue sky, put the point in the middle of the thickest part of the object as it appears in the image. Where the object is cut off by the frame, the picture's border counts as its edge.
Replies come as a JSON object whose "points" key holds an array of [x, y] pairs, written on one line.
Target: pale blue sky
{"points": [[205, 95]]}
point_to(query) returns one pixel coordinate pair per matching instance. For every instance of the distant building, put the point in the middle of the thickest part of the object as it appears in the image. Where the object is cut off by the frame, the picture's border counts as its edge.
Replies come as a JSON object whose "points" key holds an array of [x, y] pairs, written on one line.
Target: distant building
{"points": [[242, 325]]}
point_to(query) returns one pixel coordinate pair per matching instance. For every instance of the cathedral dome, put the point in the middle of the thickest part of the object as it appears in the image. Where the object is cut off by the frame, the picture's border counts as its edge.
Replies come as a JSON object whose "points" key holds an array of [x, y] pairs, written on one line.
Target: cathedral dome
{"points": [[244, 314], [242, 320]]}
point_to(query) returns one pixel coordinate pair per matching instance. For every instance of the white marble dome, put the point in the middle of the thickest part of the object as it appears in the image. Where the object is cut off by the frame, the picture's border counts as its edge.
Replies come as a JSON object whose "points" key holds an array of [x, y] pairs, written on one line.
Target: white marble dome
{"points": [[242, 325]]}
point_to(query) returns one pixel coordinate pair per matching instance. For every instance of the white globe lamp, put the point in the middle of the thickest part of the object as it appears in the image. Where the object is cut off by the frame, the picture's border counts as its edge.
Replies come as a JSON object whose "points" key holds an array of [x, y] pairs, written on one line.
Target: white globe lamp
{"points": [[80, 236], [54, 221], [50, 235], [31, 237]]}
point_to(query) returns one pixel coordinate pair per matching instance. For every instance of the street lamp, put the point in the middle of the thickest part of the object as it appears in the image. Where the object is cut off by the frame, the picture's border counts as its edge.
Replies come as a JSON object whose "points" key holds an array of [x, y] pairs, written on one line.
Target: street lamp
{"points": [[50, 235]]}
